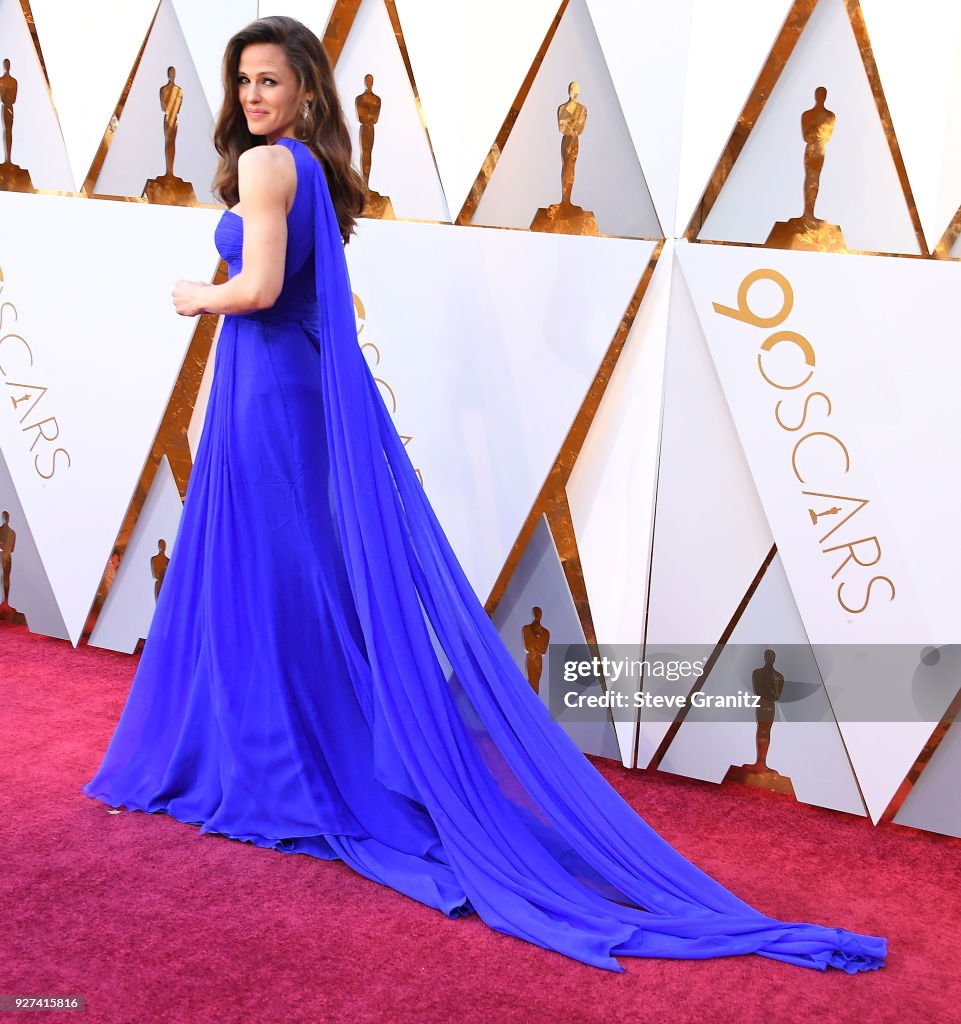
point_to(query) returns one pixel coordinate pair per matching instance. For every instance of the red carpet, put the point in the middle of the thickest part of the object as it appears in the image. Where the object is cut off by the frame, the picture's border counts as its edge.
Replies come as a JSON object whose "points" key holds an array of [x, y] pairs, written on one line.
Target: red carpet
{"points": [[150, 921]]}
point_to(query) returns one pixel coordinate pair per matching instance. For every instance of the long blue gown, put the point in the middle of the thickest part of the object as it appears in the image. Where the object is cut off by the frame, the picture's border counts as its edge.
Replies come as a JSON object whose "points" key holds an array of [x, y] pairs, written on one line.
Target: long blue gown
{"points": [[320, 677]]}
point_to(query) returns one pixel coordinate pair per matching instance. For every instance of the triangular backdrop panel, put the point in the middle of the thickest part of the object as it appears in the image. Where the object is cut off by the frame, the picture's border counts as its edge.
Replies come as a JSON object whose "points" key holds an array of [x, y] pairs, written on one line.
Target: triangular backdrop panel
{"points": [[88, 67], [806, 745], [402, 165], [539, 581], [918, 55], [128, 609], [934, 802], [710, 532], [37, 144], [611, 488], [30, 592], [840, 460], [199, 414], [469, 60], [730, 43], [313, 13], [510, 359], [645, 47], [137, 150], [97, 377], [859, 186], [683, 72], [608, 179], [207, 27]]}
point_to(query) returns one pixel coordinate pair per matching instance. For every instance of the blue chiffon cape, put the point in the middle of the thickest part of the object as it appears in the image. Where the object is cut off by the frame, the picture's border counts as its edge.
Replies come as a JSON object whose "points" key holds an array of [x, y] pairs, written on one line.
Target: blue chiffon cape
{"points": [[321, 678]]}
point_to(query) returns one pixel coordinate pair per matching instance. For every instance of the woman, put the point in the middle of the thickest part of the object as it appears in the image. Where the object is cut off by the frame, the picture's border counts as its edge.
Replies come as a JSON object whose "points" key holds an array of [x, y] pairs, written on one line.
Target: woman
{"points": [[319, 675]]}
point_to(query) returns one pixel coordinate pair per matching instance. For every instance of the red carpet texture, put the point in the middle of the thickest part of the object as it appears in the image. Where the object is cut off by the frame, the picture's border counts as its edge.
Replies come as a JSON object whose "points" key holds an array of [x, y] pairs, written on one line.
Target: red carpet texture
{"points": [[150, 921]]}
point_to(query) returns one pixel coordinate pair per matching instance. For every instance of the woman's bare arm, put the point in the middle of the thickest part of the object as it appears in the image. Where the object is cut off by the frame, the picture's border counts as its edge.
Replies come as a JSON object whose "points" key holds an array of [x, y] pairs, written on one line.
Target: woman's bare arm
{"points": [[266, 180]]}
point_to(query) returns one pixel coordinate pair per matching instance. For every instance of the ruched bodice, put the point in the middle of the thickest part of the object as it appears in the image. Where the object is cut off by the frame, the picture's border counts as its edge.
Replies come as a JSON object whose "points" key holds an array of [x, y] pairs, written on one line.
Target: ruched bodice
{"points": [[297, 301]]}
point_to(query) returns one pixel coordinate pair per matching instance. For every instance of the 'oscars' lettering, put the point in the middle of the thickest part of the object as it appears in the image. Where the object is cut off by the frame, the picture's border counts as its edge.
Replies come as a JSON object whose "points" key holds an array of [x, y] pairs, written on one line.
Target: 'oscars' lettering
{"points": [[817, 452], [53, 463], [15, 355]]}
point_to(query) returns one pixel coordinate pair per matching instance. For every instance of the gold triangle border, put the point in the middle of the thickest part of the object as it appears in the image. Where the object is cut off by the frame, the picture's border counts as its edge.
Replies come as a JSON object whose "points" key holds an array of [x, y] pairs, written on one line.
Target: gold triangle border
{"points": [[780, 54]]}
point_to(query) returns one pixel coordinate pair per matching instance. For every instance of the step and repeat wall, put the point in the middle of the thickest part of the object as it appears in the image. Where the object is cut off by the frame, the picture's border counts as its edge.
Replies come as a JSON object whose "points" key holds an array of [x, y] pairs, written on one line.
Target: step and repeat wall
{"points": [[662, 297]]}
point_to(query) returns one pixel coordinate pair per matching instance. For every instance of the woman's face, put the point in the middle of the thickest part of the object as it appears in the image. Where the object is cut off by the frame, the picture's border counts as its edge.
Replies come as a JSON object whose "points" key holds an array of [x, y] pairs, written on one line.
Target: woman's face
{"points": [[269, 92]]}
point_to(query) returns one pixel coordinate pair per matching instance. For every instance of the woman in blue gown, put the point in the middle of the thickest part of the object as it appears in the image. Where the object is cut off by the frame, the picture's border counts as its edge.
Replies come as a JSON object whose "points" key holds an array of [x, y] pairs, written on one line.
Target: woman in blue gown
{"points": [[319, 676]]}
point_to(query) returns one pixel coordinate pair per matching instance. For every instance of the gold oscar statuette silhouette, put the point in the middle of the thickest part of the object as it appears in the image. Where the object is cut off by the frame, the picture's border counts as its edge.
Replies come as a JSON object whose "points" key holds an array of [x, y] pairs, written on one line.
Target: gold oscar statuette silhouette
{"points": [[8, 541], [168, 189], [536, 638], [807, 231], [367, 105], [768, 685], [565, 218], [12, 177], [815, 516], [158, 566]]}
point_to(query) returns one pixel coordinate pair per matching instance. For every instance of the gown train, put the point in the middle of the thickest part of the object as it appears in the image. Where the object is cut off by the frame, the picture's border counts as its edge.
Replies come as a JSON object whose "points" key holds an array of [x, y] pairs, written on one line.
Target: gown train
{"points": [[321, 678]]}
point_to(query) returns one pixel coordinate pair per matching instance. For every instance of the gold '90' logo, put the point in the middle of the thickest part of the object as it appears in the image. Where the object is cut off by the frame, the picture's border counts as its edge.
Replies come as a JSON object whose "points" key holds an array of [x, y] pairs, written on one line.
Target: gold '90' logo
{"points": [[817, 450]]}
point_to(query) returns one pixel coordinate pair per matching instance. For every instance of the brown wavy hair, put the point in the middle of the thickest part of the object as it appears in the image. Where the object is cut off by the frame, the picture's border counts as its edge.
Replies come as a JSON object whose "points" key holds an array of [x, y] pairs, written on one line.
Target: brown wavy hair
{"points": [[325, 129]]}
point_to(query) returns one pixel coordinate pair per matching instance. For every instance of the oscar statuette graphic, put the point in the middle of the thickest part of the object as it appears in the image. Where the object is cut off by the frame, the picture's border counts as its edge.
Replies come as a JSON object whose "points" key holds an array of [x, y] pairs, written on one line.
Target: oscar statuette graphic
{"points": [[564, 217], [768, 685], [367, 105], [807, 231], [536, 638], [158, 566], [12, 177], [168, 189], [8, 541]]}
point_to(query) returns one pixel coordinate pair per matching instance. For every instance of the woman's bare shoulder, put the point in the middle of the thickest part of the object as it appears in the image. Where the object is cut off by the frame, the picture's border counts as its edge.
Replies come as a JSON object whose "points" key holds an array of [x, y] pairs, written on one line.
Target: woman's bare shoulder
{"points": [[268, 172], [271, 158]]}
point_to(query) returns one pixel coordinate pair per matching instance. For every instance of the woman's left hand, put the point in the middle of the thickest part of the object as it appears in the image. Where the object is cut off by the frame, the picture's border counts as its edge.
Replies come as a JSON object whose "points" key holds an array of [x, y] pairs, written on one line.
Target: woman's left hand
{"points": [[188, 297]]}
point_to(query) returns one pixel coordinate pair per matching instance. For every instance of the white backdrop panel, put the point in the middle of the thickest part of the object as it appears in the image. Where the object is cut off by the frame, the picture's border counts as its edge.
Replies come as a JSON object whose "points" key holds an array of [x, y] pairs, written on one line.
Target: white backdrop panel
{"points": [[89, 49], [683, 71], [207, 26], [402, 165], [710, 531], [30, 591], [860, 189], [313, 13], [488, 358], [646, 47], [608, 179], [918, 52], [611, 488], [137, 150], [107, 352], [37, 142], [539, 580], [128, 609], [730, 43], [886, 407], [196, 426], [806, 745], [934, 802], [865, 420], [469, 60]]}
